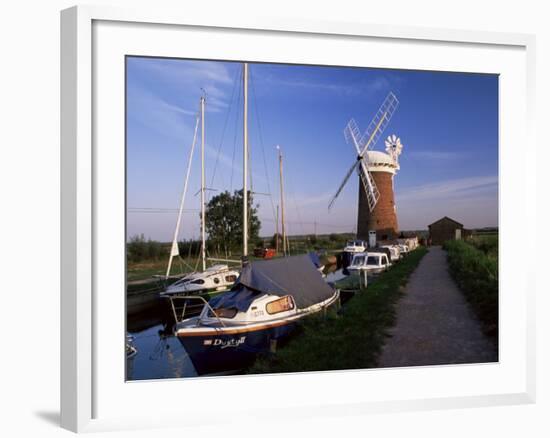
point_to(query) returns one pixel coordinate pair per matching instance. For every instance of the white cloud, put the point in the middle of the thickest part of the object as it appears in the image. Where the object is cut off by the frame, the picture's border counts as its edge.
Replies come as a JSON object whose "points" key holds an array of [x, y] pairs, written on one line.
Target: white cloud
{"points": [[472, 201], [158, 115], [180, 71], [368, 88], [462, 187], [434, 155], [189, 79]]}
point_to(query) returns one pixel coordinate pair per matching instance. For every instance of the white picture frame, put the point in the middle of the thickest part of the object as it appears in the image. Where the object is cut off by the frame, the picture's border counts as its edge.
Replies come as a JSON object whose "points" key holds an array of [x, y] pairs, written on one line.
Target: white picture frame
{"points": [[89, 398]]}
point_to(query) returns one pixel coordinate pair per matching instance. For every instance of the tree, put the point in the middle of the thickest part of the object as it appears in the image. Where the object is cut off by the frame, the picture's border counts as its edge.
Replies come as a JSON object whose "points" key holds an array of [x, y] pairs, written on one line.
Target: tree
{"points": [[273, 241], [139, 249], [224, 220]]}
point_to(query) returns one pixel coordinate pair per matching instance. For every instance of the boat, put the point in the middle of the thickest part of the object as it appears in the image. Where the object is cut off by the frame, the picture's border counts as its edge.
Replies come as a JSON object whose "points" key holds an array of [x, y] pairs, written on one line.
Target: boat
{"points": [[131, 350], [314, 257], [263, 307], [395, 252], [217, 278], [355, 246], [369, 262], [403, 249]]}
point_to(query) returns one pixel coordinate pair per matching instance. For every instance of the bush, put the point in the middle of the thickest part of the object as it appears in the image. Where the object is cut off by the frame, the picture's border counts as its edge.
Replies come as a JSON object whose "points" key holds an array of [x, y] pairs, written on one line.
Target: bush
{"points": [[139, 249], [476, 273]]}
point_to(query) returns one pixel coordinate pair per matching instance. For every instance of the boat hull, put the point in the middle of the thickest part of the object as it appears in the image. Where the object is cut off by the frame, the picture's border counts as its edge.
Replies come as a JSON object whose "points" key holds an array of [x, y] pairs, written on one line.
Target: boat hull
{"points": [[223, 352]]}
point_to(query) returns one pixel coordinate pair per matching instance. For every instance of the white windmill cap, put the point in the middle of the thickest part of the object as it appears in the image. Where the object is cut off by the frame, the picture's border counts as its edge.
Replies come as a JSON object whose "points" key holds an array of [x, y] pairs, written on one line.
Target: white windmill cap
{"points": [[381, 161]]}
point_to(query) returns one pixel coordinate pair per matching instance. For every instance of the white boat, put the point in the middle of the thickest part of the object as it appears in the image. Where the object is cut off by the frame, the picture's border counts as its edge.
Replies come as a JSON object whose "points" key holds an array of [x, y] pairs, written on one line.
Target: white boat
{"points": [[269, 298], [355, 246], [131, 350], [404, 249], [371, 262], [395, 252], [217, 278]]}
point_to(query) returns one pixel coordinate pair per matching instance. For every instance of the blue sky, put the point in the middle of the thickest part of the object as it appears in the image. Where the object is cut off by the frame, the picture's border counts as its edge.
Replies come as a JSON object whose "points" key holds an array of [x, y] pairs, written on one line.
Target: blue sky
{"points": [[448, 123]]}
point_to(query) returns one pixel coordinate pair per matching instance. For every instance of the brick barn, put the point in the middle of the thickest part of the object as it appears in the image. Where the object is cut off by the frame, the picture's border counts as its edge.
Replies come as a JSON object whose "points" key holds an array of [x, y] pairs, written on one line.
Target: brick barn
{"points": [[445, 229]]}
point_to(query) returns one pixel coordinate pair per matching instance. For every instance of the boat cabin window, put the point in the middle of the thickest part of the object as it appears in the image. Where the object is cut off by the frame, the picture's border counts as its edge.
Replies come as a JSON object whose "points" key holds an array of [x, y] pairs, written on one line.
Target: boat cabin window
{"points": [[199, 281], [280, 305], [224, 313], [372, 260], [216, 280], [230, 278], [383, 260], [358, 261]]}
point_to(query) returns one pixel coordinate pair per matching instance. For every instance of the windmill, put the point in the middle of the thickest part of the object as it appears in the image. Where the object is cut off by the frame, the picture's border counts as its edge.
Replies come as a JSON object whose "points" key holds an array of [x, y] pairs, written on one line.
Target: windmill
{"points": [[394, 147], [376, 170]]}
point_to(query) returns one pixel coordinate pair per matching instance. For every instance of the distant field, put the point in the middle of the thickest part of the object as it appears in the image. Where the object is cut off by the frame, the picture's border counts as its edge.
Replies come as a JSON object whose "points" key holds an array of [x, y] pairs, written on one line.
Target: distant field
{"points": [[146, 258]]}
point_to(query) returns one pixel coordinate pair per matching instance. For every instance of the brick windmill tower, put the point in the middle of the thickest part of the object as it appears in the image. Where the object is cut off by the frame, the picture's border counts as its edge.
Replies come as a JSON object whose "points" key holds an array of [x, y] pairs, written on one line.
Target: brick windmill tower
{"points": [[376, 169]]}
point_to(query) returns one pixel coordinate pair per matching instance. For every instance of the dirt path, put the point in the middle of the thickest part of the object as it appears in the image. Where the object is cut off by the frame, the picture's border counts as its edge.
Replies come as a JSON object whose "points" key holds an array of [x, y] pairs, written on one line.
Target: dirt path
{"points": [[434, 323]]}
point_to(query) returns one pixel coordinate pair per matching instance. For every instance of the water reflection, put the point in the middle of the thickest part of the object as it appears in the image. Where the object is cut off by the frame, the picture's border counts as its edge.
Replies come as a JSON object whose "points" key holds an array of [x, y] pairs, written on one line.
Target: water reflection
{"points": [[159, 356]]}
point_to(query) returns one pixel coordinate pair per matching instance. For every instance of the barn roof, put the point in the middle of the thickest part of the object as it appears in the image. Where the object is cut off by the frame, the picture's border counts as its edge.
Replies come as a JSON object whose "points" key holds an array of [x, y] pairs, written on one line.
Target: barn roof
{"points": [[446, 218]]}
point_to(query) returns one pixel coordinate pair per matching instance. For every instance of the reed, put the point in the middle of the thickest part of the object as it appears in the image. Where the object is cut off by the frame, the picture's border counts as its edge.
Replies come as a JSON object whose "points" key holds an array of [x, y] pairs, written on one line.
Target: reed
{"points": [[474, 266]]}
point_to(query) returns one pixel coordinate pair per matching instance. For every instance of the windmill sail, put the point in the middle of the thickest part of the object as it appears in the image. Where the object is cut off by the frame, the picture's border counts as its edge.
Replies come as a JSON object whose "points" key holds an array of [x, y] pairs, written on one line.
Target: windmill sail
{"points": [[353, 134], [364, 142], [350, 171], [379, 122], [372, 192]]}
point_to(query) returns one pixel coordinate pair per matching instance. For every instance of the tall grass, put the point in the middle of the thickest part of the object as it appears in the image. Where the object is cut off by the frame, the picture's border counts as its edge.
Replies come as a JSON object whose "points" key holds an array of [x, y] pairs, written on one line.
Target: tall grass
{"points": [[139, 249], [349, 340], [488, 244], [474, 266]]}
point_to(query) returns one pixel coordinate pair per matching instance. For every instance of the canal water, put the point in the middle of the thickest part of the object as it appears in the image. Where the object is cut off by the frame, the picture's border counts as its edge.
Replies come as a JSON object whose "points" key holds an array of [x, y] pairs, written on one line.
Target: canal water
{"points": [[160, 354]]}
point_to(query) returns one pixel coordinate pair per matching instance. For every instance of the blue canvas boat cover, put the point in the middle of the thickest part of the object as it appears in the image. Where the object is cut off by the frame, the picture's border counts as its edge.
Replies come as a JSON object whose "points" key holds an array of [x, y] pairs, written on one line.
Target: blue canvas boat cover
{"points": [[295, 275], [315, 259]]}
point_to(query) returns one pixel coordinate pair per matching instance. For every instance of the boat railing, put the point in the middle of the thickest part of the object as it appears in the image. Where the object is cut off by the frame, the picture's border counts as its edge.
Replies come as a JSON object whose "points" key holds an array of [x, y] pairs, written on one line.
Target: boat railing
{"points": [[191, 297]]}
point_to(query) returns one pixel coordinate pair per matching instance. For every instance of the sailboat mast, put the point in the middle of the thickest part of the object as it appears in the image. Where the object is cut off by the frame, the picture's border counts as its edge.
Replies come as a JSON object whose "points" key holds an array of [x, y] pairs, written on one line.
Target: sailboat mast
{"points": [[277, 232], [174, 252], [282, 200], [203, 217], [245, 161]]}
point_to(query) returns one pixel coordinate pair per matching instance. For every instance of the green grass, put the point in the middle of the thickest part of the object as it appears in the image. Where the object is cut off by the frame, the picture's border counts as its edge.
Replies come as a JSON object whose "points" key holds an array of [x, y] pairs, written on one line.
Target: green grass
{"points": [[146, 269], [474, 266], [486, 243], [350, 340]]}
